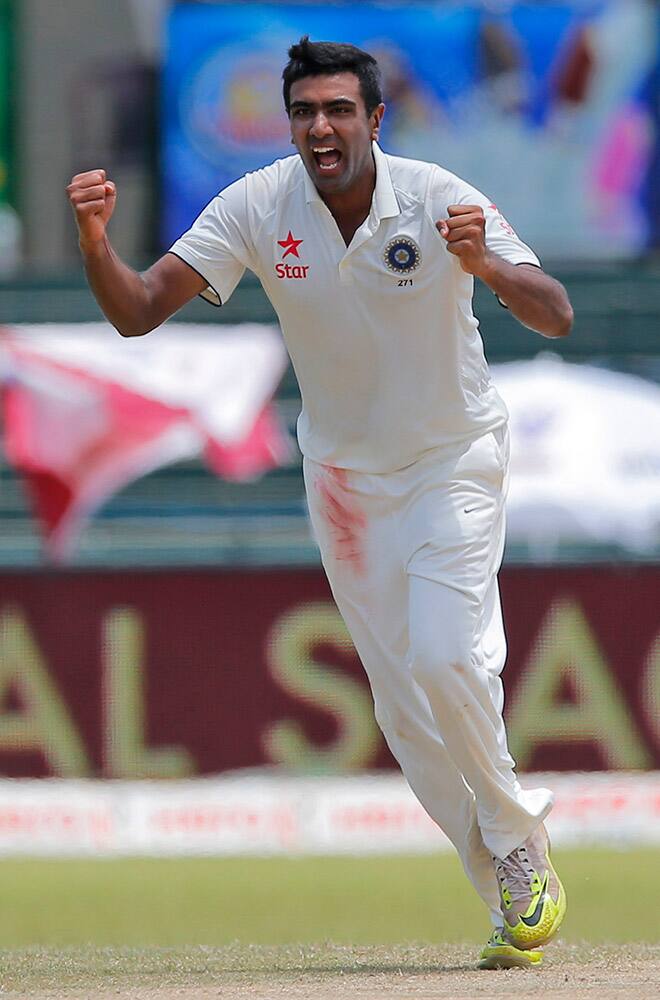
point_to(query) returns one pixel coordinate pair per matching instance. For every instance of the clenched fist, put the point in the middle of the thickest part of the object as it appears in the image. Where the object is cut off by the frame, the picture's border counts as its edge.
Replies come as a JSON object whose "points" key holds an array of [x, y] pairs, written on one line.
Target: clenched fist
{"points": [[93, 200], [465, 233]]}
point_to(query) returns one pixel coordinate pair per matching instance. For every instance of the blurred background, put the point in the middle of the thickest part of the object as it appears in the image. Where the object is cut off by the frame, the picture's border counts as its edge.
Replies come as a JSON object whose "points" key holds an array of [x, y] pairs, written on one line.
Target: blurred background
{"points": [[163, 613]]}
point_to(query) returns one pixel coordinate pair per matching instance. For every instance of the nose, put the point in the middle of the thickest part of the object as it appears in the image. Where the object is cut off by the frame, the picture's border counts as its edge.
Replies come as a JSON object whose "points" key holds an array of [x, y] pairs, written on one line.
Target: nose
{"points": [[320, 127]]}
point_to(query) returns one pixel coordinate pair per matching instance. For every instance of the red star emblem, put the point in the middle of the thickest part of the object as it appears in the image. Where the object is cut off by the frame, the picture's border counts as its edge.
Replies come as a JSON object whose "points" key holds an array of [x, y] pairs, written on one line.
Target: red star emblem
{"points": [[290, 245]]}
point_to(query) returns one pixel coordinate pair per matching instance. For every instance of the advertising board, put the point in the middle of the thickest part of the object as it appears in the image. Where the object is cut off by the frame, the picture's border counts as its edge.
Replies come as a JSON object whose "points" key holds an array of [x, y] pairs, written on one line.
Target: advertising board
{"points": [[175, 673], [548, 108]]}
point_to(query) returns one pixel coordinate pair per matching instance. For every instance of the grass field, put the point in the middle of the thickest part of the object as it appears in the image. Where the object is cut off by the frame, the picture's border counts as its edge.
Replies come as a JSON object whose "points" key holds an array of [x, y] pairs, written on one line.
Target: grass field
{"points": [[233, 925], [277, 901]]}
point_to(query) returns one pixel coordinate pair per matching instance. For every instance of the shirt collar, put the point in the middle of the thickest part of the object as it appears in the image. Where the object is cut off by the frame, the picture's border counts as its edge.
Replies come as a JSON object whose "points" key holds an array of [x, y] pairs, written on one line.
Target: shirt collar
{"points": [[384, 204]]}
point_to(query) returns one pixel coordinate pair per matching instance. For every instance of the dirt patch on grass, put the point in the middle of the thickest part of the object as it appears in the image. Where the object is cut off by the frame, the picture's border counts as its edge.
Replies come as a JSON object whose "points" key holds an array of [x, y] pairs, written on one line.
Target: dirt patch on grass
{"points": [[326, 972]]}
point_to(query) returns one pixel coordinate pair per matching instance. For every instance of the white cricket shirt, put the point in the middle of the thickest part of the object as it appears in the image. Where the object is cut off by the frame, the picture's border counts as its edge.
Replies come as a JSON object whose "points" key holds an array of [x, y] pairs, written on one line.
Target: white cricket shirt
{"points": [[381, 333]]}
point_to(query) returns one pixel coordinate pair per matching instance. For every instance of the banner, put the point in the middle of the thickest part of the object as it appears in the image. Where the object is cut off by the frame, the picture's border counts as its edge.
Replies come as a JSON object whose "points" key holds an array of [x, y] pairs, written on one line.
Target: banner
{"points": [[278, 815], [85, 413], [169, 674], [546, 107], [580, 473]]}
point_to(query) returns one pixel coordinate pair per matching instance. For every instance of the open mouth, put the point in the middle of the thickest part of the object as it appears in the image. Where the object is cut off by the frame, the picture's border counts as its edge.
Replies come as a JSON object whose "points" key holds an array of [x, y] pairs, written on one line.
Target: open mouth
{"points": [[327, 157]]}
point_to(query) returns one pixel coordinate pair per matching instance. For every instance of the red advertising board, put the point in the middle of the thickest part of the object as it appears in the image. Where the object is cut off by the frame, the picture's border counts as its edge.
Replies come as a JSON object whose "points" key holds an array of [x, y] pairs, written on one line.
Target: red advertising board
{"points": [[173, 672]]}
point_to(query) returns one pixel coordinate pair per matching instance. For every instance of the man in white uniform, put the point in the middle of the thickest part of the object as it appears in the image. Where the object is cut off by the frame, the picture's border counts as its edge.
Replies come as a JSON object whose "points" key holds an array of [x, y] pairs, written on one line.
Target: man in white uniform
{"points": [[369, 261]]}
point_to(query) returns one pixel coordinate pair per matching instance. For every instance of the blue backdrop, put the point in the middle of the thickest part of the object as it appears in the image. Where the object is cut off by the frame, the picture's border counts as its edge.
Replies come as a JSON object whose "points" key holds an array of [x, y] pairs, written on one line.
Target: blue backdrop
{"points": [[545, 107]]}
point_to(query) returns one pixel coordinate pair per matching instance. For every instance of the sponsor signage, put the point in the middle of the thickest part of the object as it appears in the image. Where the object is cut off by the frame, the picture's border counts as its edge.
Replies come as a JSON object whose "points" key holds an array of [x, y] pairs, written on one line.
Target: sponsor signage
{"points": [[177, 673], [527, 98], [272, 815]]}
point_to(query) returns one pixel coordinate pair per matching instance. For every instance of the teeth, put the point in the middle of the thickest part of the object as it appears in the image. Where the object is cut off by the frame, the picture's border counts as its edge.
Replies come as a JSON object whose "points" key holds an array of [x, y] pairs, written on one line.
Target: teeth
{"points": [[327, 149]]}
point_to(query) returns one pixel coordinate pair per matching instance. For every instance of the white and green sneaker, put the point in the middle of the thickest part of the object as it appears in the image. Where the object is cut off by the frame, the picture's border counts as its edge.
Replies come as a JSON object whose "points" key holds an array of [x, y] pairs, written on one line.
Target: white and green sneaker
{"points": [[501, 954], [532, 897]]}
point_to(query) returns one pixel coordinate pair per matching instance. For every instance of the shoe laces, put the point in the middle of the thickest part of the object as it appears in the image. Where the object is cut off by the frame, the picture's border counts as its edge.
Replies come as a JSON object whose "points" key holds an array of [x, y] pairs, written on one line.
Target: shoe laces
{"points": [[516, 873]]}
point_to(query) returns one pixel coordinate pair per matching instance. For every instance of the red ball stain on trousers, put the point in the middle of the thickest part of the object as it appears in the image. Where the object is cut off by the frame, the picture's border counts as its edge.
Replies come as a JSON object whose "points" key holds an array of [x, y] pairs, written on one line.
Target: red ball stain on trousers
{"points": [[345, 520]]}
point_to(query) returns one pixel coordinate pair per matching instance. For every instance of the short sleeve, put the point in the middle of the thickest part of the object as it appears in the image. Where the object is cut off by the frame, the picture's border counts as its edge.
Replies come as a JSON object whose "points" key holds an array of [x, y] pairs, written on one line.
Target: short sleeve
{"points": [[217, 245], [501, 237]]}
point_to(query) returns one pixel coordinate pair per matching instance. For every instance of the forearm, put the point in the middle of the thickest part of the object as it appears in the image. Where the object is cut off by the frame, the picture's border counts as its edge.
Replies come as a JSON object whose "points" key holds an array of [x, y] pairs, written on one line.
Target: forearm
{"points": [[537, 300], [121, 292]]}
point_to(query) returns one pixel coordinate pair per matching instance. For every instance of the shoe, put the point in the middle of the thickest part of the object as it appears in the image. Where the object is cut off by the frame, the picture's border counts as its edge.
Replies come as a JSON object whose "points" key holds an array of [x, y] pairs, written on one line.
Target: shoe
{"points": [[500, 954], [532, 897]]}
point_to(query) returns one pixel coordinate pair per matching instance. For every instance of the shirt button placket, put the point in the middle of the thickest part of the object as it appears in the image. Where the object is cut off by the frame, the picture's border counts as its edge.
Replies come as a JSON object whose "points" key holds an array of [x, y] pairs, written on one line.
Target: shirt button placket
{"points": [[345, 272]]}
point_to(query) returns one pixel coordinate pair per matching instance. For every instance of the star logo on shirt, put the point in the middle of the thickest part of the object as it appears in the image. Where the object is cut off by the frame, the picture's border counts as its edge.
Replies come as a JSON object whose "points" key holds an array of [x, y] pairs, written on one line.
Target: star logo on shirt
{"points": [[290, 245]]}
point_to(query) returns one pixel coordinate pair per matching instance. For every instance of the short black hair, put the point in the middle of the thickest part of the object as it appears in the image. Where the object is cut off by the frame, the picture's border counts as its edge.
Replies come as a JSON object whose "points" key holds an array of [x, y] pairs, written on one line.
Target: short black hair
{"points": [[324, 58]]}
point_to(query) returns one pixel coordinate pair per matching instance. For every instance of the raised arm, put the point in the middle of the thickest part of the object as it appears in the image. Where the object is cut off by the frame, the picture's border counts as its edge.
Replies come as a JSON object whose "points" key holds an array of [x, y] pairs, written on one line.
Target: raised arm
{"points": [[535, 299], [134, 303]]}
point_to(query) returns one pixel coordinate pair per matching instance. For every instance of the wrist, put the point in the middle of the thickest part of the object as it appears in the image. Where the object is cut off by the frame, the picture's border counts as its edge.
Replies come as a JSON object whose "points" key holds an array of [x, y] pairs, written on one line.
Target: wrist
{"points": [[91, 249], [488, 269]]}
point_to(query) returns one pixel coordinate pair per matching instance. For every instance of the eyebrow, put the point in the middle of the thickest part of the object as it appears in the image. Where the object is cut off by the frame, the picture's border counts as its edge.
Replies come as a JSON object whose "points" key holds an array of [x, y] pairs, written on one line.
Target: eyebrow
{"points": [[324, 104]]}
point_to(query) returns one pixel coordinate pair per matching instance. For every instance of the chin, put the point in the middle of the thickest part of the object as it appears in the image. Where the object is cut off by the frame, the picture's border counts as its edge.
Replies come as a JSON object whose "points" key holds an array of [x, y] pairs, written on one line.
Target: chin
{"points": [[331, 184], [328, 183]]}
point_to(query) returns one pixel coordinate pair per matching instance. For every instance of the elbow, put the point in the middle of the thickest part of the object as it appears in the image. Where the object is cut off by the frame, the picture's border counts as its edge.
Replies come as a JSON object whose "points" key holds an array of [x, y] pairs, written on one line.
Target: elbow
{"points": [[565, 314], [132, 331], [562, 323], [565, 321], [137, 325], [568, 317]]}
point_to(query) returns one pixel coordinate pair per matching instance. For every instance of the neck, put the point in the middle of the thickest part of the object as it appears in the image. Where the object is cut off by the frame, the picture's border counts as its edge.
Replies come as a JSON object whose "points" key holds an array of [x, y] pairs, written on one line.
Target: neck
{"points": [[356, 200]]}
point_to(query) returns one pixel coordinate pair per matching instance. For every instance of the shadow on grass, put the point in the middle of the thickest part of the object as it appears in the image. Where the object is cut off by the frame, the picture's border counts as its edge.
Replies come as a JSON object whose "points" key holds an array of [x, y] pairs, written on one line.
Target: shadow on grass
{"points": [[395, 968]]}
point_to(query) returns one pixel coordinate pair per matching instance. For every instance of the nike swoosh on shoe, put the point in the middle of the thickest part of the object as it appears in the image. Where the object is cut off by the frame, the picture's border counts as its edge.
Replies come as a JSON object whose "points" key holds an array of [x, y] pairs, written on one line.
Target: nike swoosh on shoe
{"points": [[538, 909]]}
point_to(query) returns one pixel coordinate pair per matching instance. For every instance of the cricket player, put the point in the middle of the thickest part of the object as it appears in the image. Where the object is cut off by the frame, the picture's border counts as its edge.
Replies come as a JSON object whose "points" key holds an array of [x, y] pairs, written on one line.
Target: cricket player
{"points": [[370, 260]]}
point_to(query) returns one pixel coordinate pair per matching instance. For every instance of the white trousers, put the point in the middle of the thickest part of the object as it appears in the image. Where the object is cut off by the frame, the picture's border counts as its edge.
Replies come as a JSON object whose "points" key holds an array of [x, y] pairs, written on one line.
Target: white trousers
{"points": [[412, 559]]}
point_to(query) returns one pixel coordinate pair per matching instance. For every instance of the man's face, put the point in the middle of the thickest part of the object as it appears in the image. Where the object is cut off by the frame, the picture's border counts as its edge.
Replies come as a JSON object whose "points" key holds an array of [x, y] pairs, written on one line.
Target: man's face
{"points": [[331, 129]]}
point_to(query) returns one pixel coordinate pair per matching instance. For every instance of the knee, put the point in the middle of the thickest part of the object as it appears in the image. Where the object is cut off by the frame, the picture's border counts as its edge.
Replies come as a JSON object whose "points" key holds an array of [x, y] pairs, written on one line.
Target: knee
{"points": [[387, 720], [388, 727], [399, 726], [439, 660], [382, 717]]}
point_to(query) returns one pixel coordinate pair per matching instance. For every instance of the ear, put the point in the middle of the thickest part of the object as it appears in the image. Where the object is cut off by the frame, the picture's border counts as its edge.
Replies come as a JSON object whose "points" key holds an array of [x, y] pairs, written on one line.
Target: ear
{"points": [[376, 119]]}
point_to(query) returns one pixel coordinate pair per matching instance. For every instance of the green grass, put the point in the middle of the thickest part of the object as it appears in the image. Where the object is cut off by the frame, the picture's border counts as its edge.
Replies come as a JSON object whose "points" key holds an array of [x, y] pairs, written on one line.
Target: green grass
{"points": [[613, 896]]}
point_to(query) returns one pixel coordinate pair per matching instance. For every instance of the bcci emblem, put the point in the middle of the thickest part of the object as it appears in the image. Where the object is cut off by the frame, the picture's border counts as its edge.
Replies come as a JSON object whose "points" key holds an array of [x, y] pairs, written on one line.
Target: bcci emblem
{"points": [[402, 255]]}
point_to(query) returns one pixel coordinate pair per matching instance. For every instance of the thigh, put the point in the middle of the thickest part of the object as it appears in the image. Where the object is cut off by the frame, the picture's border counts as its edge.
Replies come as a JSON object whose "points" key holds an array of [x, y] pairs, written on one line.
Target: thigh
{"points": [[444, 625], [352, 523], [356, 522], [454, 522]]}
